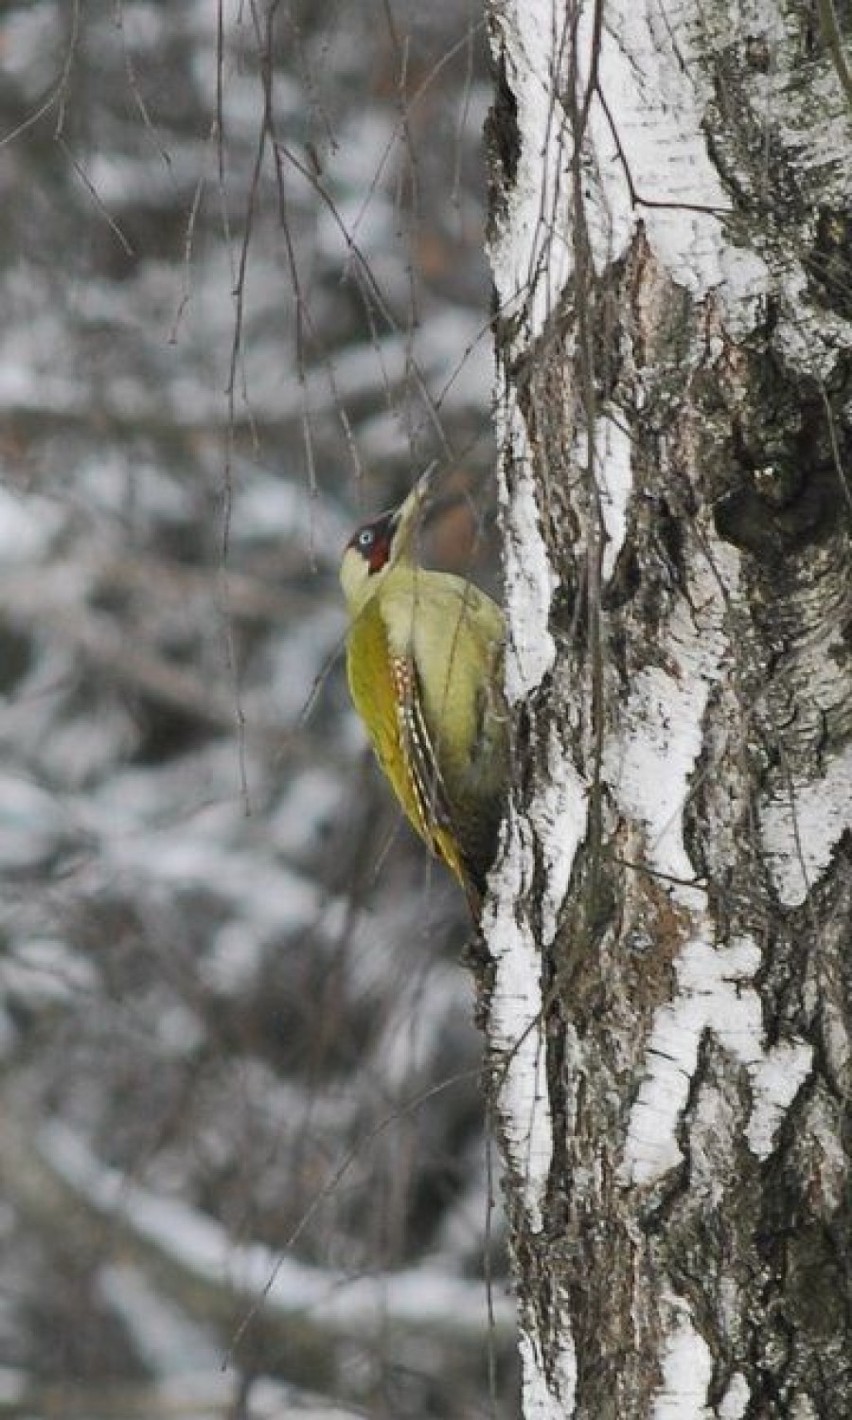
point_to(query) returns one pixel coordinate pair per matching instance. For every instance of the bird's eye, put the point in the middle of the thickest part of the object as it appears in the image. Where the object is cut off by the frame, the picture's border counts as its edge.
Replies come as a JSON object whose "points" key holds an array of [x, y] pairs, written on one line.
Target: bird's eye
{"points": [[366, 538]]}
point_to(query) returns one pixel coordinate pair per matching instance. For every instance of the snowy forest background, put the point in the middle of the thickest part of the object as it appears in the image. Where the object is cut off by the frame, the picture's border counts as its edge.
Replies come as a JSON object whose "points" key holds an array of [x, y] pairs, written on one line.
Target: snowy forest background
{"points": [[244, 300]]}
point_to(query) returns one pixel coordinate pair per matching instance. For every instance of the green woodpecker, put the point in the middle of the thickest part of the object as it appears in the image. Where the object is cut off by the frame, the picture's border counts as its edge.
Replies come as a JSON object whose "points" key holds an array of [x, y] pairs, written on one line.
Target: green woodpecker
{"points": [[424, 656]]}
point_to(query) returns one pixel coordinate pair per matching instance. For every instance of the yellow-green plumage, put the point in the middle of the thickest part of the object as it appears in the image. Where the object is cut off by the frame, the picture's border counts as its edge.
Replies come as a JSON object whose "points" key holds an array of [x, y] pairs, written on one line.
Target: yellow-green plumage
{"points": [[424, 656]]}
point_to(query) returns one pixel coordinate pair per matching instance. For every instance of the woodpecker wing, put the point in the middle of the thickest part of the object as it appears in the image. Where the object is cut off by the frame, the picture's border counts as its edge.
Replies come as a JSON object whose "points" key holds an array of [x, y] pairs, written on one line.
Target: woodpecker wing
{"points": [[387, 694], [426, 782], [435, 821]]}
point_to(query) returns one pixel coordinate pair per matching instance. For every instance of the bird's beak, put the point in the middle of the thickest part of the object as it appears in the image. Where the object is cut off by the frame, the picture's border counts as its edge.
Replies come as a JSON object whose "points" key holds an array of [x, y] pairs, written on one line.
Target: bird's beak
{"points": [[408, 514]]}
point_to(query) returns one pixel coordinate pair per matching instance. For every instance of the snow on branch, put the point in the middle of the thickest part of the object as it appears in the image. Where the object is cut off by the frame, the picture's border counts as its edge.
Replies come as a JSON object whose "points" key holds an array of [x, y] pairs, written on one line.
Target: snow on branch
{"points": [[417, 1301]]}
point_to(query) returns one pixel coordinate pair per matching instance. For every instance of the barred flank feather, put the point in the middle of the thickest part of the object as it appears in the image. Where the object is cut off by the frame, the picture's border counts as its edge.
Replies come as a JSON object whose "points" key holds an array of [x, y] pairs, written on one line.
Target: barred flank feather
{"points": [[429, 791]]}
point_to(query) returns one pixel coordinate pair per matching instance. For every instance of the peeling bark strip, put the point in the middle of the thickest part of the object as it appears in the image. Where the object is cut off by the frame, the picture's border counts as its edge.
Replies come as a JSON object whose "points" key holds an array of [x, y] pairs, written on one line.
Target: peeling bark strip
{"points": [[670, 929]]}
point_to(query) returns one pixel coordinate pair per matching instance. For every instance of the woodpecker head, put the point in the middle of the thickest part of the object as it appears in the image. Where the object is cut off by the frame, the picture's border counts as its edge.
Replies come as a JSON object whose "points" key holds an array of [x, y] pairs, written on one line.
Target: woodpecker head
{"points": [[377, 546]]}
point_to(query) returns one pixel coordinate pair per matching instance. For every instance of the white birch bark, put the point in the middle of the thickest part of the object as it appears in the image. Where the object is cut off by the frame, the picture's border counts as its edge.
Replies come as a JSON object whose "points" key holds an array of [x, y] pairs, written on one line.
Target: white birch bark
{"points": [[667, 999]]}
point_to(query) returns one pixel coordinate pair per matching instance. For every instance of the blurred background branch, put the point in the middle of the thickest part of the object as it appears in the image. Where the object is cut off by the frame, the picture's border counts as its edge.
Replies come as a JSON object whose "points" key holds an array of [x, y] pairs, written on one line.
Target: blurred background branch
{"points": [[244, 301]]}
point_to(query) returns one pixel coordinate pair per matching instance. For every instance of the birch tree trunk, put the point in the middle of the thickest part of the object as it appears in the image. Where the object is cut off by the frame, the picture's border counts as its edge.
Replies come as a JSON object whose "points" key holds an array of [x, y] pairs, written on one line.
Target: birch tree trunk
{"points": [[667, 994]]}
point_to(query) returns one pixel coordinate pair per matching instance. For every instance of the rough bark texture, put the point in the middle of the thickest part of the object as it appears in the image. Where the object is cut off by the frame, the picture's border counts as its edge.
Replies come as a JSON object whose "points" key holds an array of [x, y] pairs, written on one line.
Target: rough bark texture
{"points": [[671, 917]]}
